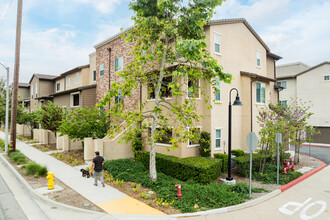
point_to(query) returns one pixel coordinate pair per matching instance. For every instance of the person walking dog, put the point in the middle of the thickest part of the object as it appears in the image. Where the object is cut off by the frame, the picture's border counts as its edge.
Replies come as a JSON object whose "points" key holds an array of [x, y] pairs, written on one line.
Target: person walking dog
{"points": [[97, 167]]}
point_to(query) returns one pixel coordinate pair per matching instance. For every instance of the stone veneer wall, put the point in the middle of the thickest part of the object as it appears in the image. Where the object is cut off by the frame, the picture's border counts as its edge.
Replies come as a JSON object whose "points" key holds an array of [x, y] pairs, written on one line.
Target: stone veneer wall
{"points": [[118, 49]]}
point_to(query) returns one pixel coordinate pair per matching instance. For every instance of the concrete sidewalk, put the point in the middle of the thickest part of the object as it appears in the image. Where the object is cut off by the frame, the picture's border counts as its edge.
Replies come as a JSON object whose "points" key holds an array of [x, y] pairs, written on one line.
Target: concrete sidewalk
{"points": [[107, 198]]}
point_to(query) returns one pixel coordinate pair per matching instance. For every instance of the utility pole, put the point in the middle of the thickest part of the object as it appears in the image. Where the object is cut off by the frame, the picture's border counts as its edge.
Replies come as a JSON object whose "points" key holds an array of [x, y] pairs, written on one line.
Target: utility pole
{"points": [[16, 77]]}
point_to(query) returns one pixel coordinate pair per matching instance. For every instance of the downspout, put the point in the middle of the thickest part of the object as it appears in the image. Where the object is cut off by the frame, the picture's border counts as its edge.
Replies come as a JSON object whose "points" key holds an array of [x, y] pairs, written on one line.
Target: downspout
{"points": [[140, 103], [252, 80], [109, 49]]}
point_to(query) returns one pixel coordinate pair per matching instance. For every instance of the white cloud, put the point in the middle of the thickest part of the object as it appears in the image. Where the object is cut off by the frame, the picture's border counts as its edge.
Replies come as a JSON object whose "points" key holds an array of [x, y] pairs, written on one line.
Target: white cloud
{"points": [[104, 6], [295, 30]]}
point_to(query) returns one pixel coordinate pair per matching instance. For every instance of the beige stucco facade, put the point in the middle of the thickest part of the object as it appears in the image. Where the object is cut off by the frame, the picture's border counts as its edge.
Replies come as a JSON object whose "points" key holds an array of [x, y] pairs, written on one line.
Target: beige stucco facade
{"points": [[239, 48]]}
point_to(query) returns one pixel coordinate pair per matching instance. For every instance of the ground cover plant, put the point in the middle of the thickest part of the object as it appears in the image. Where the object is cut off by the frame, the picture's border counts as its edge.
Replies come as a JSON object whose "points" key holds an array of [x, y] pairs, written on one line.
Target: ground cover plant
{"points": [[196, 197], [31, 167], [72, 158]]}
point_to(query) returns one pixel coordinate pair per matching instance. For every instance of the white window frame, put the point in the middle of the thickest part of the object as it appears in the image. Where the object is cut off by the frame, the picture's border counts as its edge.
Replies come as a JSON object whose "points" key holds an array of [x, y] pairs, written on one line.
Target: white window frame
{"points": [[68, 80], [258, 58], [218, 86], [102, 69], [94, 74], [199, 90], [280, 83], [161, 144], [215, 138], [194, 145], [263, 103], [217, 43], [58, 88], [36, 85], [77, 78], [284, 101], [31, 91], [119, 60], [71, 99], [328, 78]]}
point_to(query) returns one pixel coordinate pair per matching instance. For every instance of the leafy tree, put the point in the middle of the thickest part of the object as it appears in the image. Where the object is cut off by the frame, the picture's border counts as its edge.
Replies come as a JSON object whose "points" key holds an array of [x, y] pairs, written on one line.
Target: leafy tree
{"points": [[82, 123], [30, 119], [290, 121], [50, 116], [171, 60]]}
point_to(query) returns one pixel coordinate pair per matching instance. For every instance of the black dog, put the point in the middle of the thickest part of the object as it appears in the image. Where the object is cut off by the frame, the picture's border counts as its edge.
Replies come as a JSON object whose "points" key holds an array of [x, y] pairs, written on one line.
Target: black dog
{"points": [[85, 173]]}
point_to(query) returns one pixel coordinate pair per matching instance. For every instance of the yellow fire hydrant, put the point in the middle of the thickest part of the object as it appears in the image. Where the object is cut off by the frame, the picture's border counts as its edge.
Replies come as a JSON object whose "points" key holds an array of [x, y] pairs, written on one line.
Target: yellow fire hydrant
{"points": [[51, 180]]}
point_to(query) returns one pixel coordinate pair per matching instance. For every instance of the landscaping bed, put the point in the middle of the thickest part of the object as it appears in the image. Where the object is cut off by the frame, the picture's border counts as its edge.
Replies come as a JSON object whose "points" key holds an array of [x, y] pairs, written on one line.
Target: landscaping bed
{"points": [[45, 147], [72, 158]]}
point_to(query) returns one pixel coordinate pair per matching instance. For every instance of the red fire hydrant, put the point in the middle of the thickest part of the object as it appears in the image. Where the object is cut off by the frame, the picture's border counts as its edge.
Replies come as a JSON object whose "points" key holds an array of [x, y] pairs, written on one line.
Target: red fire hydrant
{"points": [[288, 164], [179, 190]]}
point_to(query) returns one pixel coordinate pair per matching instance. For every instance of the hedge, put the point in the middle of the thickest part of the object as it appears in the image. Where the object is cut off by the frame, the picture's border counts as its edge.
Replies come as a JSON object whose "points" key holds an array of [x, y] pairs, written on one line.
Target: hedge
{"points": [[224, 158], [243, 163], [201, 170], [238, 153]]}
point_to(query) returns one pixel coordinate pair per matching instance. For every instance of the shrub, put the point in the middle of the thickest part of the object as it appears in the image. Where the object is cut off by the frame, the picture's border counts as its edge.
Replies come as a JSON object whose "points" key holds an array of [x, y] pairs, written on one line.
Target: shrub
{"points": [[199, 169], [18, 157], [42, 171], [137, 142], [204, 149], [2, 145], [224, 158], [238, 153], [32, 168], [207, 196]]}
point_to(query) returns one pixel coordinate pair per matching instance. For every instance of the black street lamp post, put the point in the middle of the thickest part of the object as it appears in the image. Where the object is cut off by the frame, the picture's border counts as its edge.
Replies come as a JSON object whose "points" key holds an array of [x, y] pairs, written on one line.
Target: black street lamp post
{"points": [[236, 102]]}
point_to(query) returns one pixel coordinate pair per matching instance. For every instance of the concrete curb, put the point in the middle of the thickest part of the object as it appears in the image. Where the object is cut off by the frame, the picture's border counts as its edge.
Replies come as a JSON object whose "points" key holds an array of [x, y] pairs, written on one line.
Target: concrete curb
{"points": [[315, 145], [303, 177], [41, 197], [255, 201]]}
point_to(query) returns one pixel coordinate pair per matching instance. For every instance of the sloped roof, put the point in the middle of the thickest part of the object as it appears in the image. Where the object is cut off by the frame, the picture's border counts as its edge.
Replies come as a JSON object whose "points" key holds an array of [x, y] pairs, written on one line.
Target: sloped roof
{"points": [[292, 76], [210, 22], [24, 85], [73, 70], [43, 77]]}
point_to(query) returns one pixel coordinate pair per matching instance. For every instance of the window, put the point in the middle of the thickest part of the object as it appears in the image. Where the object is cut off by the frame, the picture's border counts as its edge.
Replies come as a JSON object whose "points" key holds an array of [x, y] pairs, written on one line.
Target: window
{"points": [[58, 87], [165, 90], [217, 138], [217, 93], [77, 78], [119, 98], [119, 64], [196, 132], [164, 135], [261, 93], [281, 83], [94, 75], [75, 102], [101, 69], [217, 43], [284, 103], [193, 88], [31, 91], [68, 80], [258, 58], [36, 90], [326, 78]]}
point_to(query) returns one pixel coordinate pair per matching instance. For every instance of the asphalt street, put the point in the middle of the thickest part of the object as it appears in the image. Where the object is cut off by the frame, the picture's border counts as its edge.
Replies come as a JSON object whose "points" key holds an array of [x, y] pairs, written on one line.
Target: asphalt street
{"points": [[9, 208], [322, 153]]}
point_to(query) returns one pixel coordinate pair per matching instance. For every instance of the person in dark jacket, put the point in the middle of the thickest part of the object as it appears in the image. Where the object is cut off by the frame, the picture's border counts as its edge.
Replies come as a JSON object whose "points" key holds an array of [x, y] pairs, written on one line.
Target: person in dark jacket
{"points": [[97, 167]]}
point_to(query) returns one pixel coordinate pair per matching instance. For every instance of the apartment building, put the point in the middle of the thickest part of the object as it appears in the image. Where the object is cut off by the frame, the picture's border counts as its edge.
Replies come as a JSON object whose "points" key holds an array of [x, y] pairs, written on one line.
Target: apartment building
{"points": [[310, 84], [24, 94], [41, 86], [241, 52], [75, 88]]}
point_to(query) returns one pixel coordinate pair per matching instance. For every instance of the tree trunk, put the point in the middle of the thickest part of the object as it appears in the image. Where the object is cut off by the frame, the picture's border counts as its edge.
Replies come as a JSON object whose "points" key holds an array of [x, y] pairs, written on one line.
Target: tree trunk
{"points": [[152, 162]]}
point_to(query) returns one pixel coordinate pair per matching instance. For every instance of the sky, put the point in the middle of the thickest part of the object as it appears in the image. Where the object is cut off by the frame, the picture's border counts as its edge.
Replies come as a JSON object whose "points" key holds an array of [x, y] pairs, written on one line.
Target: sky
{"points": [[58, 35]]}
